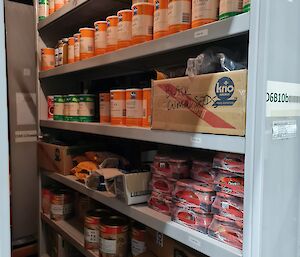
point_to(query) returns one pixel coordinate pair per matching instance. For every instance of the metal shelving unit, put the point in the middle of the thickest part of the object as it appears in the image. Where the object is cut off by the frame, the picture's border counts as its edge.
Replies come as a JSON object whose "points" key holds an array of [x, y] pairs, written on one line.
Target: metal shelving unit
{"points": [[232, 144], [151, 218]]}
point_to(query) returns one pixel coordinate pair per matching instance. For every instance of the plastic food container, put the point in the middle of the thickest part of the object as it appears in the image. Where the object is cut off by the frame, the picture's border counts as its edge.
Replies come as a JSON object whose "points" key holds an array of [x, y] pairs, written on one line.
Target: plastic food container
{"points": [[100, 37], [228, 206], [226, 231], [112, 33], [179, 168], [179, 15], [161, 165], [146, 121], [134, 107], [87, 43], [204, 12], [194, 194], [202, 171], [77, 47], [229, 183], [229, 8], [124, 28], [233, 163], [47, 59], [161, 26], [191, 217], [163, 184], [162, 205], [118, 107], [71, 51]]}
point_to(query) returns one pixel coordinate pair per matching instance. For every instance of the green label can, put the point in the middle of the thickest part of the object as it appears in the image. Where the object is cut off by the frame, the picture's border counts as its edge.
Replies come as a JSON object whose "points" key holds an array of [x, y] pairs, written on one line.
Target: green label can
{"points": [[87, 107], [229, 8], [43, 9], [66, 108], [73, 107], [59, 103], [246, 5]]}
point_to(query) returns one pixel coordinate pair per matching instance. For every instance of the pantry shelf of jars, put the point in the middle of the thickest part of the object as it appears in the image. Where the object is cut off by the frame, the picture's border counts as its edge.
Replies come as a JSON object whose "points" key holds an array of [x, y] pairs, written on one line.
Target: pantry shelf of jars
{"points": [[136, 74]]}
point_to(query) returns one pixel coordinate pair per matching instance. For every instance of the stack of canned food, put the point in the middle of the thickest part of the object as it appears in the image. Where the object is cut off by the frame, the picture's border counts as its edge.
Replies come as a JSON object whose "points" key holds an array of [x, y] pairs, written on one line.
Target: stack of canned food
{"points": [[47, 7], [72, 107], [143, 22], [203, 195]]}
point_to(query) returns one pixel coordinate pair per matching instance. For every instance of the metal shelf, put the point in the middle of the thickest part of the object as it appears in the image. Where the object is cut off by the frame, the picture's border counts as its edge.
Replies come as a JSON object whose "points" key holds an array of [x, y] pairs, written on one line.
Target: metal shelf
{"points": [[146, 55], [76, 14], [233, 144], [153, 219], [69, 232]]}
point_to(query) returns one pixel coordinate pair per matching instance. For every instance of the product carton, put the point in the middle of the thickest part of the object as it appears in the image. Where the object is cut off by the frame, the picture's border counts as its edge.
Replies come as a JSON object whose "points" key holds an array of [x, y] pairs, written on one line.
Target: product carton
{"points": [[58, 158], [163, 246], [211, 103], [133, 188]]}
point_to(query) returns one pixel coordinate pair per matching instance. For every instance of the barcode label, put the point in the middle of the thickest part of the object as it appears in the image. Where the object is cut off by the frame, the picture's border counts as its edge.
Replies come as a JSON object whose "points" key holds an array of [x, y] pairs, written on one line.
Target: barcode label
{"points": [[150, 30], [186, 17]]}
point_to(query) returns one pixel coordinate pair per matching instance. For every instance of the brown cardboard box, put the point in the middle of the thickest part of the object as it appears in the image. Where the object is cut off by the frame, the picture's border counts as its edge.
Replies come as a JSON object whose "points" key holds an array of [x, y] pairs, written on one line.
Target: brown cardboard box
{"points": [[58, 158], [133, 188], [211, 103], [164, 246]]}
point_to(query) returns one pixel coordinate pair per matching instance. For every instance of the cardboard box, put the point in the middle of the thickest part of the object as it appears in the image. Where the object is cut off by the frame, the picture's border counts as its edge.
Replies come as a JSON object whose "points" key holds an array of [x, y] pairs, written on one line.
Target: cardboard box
{"points": [[164, 246], [133, 188], [211, 103], [58, 158]]}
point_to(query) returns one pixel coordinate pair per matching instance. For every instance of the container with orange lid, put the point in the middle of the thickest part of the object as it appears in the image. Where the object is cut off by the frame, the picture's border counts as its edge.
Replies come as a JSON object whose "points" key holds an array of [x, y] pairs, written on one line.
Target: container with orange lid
{"points": [[161, 26], [47, 58], [226, 231], [87, 43], [204, 12], [114, 237], [194, 194], [118, 107], [179, 15], [112, 33], [142, 22], [71, 56], [147, 96], [191, 217], [77, 47], [124, 28], [134, 107], [100, 37], [58, 4], [91, 227], [51, 7], [138, 239], [104, 103]]}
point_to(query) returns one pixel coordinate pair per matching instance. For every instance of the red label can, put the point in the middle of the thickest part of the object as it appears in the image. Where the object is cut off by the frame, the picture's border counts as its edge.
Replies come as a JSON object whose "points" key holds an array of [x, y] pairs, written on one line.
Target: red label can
{"points": [[50, 100]]}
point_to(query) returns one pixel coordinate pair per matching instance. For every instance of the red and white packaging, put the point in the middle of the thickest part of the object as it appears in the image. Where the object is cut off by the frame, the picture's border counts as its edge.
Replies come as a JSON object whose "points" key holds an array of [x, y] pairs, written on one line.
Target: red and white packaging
{"points": [[194, 194], [228, 206], [229, 183], [161, 165], [179, 168], [226, 231], [161, 204], [202, 171], [194, 218], [50, 100], [163, 184], [233, 163]]}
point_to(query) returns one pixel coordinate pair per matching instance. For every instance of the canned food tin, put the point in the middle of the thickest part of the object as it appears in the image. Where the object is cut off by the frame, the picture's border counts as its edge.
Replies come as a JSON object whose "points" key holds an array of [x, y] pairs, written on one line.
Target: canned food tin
{"points": [[104, 103], [87, 43], [71, 43], [91, 228], [124, 28], [117, 107], [146, 121], [47, 58], [59, 103], [72, 102], [246, 5], [86, 107], [179, 15], [113, 237], [134, 107], [66, 108], [204, 12], [43, 9], [161, 26], [229, 8], [112, 33], [61, 204], [51, 7], [77, 47], [50, 100], [138, 239], [142, 22], [100, 37]]}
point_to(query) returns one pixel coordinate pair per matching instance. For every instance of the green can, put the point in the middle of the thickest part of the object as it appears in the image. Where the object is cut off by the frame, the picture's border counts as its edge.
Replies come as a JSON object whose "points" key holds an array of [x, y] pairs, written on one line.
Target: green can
{"points": [[66, 108], [43, 9], [229, 8], [73, 108], [87, 107], [246, 5], [59, 104]]}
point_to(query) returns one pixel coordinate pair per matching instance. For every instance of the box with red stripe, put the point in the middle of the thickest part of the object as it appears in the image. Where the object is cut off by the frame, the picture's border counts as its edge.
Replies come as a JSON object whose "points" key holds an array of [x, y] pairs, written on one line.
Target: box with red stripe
{"points": [[212, 103]]}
